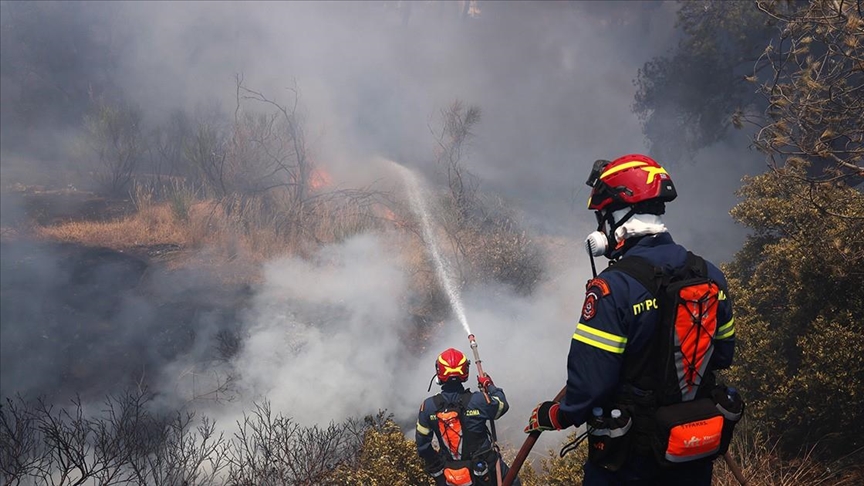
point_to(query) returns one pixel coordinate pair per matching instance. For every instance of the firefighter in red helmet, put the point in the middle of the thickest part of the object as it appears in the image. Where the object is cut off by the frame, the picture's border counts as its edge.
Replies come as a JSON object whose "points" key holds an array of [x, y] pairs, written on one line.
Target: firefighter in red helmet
{"points": [[655, 326], [457, 418]]}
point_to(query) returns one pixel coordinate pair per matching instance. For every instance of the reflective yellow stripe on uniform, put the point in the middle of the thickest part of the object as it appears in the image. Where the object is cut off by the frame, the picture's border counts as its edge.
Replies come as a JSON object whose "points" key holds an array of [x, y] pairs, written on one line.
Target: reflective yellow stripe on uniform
{"points": [[600, 339], [726, 330], [422, 430], [500, 407]]}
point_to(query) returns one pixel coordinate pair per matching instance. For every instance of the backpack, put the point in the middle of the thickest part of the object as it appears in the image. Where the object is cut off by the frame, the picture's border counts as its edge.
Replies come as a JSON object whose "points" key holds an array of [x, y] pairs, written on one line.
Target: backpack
{"points": [[680, 414], [460, 443], [676, 363]]}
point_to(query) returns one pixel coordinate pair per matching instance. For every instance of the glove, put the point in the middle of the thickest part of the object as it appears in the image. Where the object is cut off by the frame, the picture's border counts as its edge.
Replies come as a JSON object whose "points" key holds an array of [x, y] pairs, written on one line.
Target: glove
{"points": [[547, 416], [484, 381]]}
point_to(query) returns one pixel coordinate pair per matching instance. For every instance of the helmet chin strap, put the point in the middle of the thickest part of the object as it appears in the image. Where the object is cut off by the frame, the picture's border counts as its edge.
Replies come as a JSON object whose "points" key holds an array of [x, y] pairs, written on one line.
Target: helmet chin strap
{"points": [[605, 243], [611, 240]]}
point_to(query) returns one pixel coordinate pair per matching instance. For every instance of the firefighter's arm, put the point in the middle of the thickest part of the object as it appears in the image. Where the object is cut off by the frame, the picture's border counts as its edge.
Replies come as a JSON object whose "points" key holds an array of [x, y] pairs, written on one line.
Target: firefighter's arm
{"points": [[724, 342], [497, 405], [596, 352], [434, 465], [423, 436]]}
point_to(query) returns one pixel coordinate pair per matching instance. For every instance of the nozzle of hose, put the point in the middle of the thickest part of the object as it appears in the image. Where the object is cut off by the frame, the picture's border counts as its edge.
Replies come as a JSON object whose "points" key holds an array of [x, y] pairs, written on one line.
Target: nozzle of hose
{"points": [[472, 341]]}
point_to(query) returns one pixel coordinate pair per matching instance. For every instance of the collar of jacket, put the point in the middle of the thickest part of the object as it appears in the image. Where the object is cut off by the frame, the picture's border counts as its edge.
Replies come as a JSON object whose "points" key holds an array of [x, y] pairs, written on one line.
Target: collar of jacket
{"points": [[453, 387], [650, 241]]}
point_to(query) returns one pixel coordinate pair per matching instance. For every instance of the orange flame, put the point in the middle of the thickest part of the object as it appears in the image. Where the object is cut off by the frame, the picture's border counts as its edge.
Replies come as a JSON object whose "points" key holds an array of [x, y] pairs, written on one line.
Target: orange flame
{"points": [[319, 178]]}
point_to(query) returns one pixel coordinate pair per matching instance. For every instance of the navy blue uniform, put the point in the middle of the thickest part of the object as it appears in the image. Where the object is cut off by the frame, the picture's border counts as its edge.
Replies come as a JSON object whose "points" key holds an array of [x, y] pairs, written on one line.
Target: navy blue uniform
{"points": [[619, 317]]}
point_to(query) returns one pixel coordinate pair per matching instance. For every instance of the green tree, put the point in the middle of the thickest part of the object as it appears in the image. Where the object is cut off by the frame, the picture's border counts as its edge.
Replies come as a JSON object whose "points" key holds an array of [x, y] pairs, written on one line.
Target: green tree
{"points": [[797, 285], [815, 91], [686, 99], [794, 71], [799, 276]]}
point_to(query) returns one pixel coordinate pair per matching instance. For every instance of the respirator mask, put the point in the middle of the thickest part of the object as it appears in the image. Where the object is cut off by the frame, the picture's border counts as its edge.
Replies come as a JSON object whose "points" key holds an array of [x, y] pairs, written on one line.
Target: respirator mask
{"points": [[603, 241]]}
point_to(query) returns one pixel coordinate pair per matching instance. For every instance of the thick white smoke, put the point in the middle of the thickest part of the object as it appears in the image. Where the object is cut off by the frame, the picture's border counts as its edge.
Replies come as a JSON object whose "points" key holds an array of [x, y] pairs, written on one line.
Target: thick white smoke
{"points": [[322, 341]]}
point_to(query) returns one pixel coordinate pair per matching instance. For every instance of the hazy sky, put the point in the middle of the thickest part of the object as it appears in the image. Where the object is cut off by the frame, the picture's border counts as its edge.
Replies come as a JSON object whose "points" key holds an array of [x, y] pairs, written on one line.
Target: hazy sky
{"points": [[554, 82]]}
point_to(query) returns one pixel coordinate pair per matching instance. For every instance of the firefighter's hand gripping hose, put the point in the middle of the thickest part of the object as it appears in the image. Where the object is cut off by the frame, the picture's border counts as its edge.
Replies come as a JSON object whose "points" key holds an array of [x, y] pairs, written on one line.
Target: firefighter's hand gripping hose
{"points": [[484, 381], [546, 416]]}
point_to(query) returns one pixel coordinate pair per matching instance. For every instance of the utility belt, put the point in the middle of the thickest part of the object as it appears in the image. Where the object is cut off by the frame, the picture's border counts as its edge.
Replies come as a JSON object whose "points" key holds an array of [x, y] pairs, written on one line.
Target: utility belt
{"points": [[676, 433], [477, 471]]}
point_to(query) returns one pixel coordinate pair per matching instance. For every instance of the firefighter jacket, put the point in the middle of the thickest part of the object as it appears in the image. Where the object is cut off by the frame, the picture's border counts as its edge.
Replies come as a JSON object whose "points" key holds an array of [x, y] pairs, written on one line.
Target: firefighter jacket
{"points": [[474, 417], [619, 317]]}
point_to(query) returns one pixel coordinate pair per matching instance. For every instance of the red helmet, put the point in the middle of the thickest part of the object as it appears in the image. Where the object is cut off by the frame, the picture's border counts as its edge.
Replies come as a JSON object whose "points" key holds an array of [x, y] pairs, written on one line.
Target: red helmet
{"points": [[452, 364], [627, 181]]}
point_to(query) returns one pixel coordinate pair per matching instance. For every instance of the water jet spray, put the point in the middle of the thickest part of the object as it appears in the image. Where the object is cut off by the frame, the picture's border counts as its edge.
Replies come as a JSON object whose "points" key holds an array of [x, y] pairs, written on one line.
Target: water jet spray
{"points": [[419, 206]]}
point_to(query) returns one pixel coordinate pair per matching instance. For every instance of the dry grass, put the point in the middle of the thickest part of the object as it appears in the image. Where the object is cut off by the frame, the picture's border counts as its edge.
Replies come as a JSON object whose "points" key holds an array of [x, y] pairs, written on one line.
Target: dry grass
{"points": [[763, 465], [155, 225], [759, 458], [219, 231]]}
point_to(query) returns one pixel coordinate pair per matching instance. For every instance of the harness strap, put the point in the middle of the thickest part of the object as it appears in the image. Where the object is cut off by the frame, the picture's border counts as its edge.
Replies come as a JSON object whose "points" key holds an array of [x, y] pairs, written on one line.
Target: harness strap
{"points": [[467, 441], [647, 370], [650, 276], [653, 277], [440, 402]]}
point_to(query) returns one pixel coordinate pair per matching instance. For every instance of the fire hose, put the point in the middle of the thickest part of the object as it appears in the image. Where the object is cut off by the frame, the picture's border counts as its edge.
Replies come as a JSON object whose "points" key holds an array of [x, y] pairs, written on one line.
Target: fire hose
{"points": [[533, 436], [526, 449], [482, 373]]}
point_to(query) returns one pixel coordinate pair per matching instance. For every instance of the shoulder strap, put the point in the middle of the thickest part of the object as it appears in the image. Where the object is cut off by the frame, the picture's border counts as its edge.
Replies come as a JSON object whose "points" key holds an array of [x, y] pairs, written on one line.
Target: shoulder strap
{"points": [[653, 278], [695, 265], [438, 400], [650, 276], [465, 399], [441, 402]]}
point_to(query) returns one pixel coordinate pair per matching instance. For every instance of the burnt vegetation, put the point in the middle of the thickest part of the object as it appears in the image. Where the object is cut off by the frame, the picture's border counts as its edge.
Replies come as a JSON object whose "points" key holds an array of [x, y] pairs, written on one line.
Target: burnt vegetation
{"points": [[127, 440]]}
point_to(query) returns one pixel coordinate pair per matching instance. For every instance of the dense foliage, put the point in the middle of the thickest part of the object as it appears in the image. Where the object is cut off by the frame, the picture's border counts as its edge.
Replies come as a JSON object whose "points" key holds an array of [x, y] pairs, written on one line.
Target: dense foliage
{"points": [[793, 72], [799, 275], [797, 284]]}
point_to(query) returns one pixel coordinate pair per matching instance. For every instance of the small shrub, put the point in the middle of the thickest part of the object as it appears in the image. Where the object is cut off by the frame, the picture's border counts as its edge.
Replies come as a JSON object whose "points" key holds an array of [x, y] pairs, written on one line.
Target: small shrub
{"points": [[181, 198]]}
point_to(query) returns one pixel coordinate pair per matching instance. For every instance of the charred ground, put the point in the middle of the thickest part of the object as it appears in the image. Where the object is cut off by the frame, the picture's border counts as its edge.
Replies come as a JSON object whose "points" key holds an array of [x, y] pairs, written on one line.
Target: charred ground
{"points": [[89, 320]]}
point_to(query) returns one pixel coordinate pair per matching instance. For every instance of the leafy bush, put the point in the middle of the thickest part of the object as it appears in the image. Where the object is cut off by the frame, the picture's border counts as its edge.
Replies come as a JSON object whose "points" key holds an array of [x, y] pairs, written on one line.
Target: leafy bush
{"points": [[386, 457], [796, 285]]}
